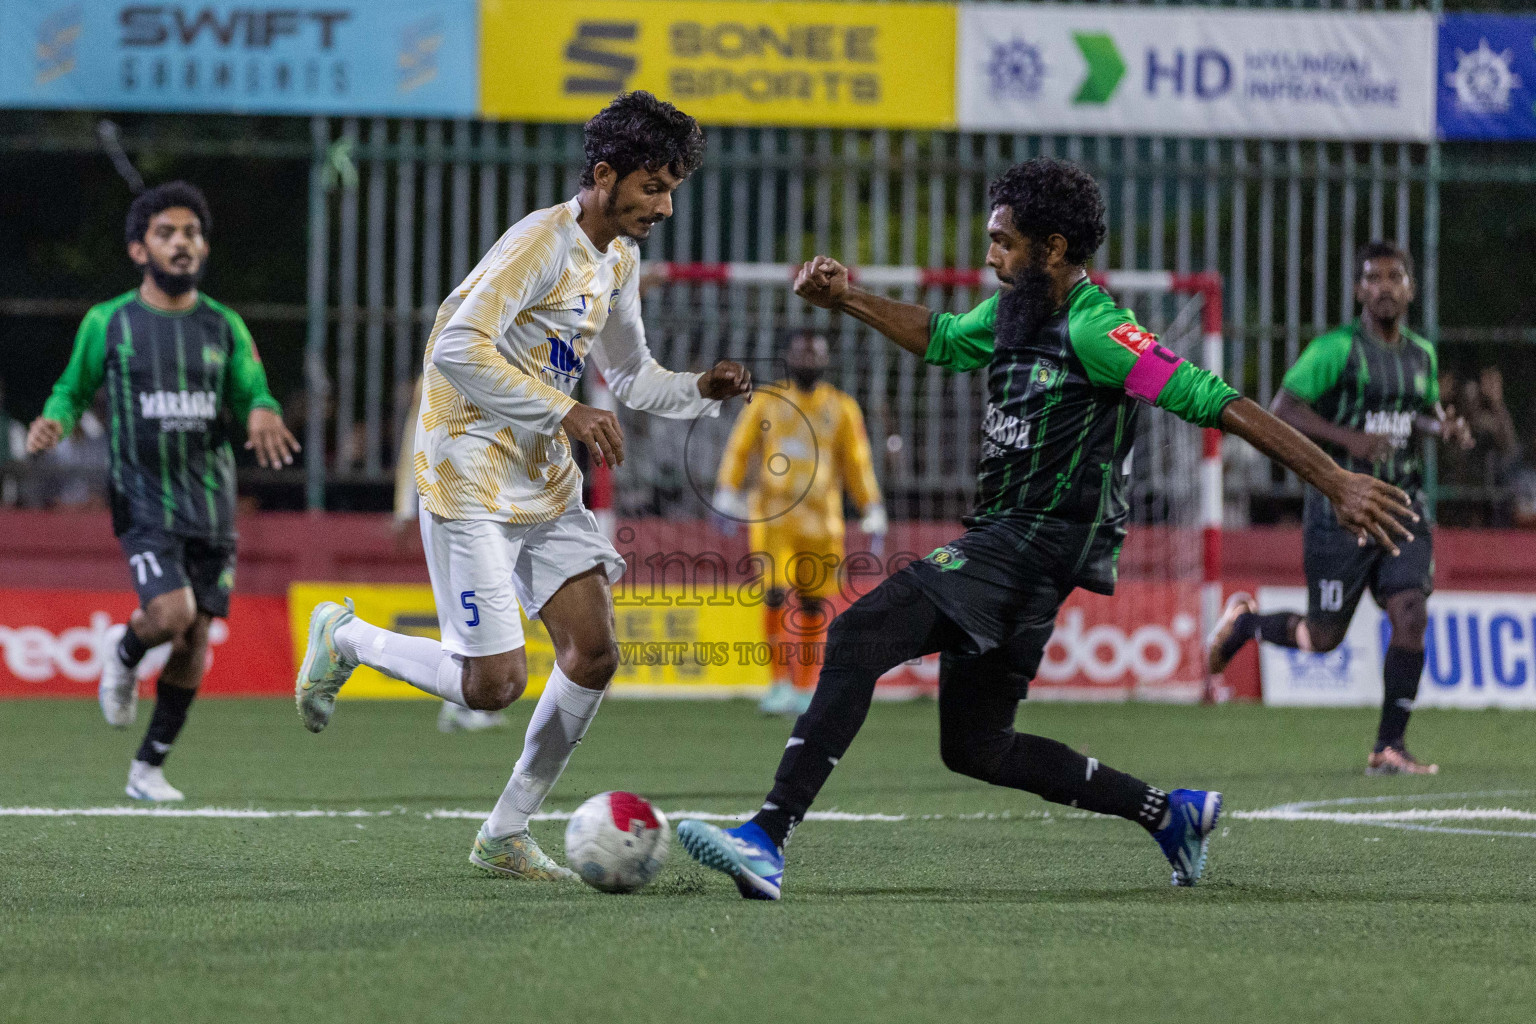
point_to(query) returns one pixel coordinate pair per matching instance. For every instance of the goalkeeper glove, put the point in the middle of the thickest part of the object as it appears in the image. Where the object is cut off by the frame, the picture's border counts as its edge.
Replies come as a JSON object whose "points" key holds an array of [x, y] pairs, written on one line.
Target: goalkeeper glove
{"points": [[875, 522]]}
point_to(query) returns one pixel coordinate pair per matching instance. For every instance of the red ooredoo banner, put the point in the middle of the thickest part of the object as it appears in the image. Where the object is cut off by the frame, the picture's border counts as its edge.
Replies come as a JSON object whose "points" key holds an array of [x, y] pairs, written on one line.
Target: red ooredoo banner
{"points": [[52, 643]]}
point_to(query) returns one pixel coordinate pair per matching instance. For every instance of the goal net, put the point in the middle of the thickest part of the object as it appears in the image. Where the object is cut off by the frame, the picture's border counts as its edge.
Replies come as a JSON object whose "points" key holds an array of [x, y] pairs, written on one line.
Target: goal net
{"points": [[925, 433]]}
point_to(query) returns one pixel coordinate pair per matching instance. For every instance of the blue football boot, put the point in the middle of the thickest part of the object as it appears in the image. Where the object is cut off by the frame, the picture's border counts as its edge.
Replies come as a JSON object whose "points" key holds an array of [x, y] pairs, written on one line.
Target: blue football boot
{"points": [[1192, 815], [744, 852]]}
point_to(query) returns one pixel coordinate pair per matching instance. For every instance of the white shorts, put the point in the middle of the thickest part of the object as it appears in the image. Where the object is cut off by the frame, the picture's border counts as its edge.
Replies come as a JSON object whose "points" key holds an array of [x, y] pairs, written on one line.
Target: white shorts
{"points": [[483, 570]]}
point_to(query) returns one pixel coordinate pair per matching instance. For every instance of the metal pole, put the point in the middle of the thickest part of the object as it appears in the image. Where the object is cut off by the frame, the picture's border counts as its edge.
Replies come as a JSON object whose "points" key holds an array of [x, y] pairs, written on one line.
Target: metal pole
{"points": [[1430, 273], [316, 384]]}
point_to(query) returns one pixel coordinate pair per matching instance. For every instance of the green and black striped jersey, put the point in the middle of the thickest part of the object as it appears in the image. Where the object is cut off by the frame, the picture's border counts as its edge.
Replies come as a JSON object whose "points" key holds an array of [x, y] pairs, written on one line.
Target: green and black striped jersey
{"points": [[1365, 384], [1061, 418], [168, 377]]}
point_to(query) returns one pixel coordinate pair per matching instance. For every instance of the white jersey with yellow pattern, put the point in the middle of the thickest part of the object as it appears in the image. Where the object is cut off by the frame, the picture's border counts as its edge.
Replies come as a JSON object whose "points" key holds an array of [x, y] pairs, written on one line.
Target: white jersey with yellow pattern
{"points": [[505, 353]]}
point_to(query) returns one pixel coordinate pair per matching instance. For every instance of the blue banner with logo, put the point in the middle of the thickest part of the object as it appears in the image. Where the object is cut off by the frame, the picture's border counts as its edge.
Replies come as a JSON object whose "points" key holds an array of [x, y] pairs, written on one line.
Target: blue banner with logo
{"points": [[287, 57], [1487, 77]]}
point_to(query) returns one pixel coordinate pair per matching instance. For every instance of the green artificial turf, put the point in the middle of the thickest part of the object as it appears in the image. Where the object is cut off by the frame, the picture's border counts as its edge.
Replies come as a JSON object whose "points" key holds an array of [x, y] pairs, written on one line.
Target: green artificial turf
{"points": [[991, 911]]}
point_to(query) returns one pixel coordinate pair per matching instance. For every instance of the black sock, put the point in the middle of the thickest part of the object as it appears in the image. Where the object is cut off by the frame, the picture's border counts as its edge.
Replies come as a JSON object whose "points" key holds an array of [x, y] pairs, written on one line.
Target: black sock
{"points": [[1400, 686], [1243, 630], [1278, 628], [171, 704], [891, 624], [1063, 776], [130, 649]]}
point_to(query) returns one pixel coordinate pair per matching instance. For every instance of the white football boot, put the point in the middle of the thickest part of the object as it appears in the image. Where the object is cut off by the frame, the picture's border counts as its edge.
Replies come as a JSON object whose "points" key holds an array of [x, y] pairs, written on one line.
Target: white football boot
{"points": [[118, 692], [147, 782]]}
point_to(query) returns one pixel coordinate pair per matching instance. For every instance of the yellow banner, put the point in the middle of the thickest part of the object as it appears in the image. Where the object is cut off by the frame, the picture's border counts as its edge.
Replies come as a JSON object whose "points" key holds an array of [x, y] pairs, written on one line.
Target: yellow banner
{"points": [[665, 644], [729, 62]]}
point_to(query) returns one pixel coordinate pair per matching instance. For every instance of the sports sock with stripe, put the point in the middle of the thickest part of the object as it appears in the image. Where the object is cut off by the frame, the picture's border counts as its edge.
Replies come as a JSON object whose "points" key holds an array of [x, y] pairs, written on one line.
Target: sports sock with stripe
{"points": [[418, 660], [171, 704], [559, 721], [1401, 670]]}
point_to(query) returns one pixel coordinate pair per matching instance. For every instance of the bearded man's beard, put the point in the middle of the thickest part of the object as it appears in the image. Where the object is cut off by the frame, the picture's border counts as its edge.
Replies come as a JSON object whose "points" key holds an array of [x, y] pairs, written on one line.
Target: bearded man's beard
{"points": [[1023, 309], [806, 377], [172, 283]]}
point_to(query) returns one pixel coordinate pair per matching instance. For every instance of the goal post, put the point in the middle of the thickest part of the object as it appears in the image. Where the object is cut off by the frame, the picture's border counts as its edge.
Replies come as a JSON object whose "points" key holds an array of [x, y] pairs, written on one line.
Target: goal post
{"points": [[924, 427]]}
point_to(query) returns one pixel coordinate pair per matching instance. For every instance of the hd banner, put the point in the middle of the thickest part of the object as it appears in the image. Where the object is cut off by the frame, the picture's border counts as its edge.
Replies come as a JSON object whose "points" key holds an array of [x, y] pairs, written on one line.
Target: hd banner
{"points": [[1253, 74], [413, 57], [1487, 78], [1479, 652], [727, 62]]}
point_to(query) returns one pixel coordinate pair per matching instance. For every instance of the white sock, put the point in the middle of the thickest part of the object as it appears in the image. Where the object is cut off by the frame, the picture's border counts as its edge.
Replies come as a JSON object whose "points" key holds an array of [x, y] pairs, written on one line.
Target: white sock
{"points": [[418, 660], [559, 721]]}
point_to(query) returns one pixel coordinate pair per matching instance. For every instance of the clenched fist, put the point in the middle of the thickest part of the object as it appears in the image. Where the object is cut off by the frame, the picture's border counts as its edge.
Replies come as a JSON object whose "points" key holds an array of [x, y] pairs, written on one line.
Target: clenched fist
{"points": [[822, 282], [725, 380]]}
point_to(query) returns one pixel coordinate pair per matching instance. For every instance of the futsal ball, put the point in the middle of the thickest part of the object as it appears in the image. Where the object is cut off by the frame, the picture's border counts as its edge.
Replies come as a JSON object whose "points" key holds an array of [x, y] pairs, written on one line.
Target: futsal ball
{"points": [[616, 842]]}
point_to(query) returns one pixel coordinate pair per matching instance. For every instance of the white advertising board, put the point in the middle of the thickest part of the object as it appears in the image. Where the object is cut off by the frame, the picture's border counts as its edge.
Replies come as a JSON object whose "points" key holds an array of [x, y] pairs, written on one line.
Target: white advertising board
{"points": [[1043, 68], [1479, 652]]}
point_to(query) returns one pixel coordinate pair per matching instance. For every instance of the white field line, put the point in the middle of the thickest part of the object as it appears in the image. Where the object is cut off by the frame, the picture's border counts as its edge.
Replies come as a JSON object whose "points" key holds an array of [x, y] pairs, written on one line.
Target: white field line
{"points": [[252, 813], [1447, 820]]}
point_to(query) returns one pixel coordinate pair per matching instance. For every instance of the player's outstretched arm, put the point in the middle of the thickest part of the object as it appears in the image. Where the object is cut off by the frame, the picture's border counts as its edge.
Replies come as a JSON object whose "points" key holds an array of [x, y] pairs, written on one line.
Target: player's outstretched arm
{"points": [[1363, 446], [1367, 507], [824, 282]]}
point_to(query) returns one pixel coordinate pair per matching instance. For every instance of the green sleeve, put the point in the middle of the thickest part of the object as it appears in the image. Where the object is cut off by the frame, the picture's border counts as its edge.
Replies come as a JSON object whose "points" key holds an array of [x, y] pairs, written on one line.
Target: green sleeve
{"points": [[245, 385], [1318, 368], [1432, 386], [963, 341], [87, 366], [1110, 344], [1196, 395]]}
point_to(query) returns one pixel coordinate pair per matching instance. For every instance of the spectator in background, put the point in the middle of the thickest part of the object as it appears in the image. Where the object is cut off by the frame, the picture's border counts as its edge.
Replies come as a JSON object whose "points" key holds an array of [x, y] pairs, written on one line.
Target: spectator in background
{"points": [[78, 466], [13, 445], [1492, 425]]}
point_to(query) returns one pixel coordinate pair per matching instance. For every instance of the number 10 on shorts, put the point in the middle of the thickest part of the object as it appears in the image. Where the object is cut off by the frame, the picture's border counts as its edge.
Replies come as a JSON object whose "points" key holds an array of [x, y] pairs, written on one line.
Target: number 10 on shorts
{"points": [[471, 607], [1330, 595]]}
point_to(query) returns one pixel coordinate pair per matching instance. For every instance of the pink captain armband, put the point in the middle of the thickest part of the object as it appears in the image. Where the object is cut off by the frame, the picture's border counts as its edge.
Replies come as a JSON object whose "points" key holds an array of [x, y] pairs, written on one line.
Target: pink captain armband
{"points": [[1153, 369]]}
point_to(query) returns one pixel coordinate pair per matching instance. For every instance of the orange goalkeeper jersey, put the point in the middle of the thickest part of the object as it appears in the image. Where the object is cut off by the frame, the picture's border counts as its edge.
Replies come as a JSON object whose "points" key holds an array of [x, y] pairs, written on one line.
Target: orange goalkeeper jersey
{"points": [[795, 453]]}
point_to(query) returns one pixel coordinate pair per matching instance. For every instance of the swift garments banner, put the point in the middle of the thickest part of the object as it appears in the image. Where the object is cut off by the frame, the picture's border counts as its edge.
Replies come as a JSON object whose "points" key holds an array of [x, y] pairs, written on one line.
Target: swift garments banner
{"points": [[1254, 74], [812, 63], [291, 57], [53, 644]]}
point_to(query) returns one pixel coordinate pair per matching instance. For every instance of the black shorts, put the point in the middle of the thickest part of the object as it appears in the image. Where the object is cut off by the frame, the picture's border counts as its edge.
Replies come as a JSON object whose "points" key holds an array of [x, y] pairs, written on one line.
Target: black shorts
{"points": [[160, 562], [1003, 592], [1339, 569]]}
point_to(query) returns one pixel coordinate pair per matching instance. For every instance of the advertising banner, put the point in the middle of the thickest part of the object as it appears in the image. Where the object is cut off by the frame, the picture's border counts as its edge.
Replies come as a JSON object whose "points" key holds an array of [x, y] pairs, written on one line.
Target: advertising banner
{"points": [[1479, 652], [53, 642], [728, 62], [667, 644], [1141, 644], [1487, 77], [300, 56], [1254, 74]]}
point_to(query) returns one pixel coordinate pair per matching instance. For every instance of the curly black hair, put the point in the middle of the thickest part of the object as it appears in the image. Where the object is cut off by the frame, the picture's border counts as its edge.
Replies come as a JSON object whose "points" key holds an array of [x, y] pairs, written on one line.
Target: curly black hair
{"points": [[1380, 251], [161, 198], [636, 131], [1053, 197]]}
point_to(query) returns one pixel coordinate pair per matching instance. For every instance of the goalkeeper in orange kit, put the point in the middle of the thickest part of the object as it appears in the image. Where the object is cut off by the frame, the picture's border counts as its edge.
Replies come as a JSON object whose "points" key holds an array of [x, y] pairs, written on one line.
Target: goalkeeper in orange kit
{"points": [[806, 441]]}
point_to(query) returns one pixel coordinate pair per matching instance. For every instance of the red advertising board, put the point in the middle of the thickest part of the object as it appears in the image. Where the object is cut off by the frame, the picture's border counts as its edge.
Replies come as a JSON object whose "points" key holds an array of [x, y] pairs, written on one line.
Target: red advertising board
{"points": [[1142, 643], [52, 643]]}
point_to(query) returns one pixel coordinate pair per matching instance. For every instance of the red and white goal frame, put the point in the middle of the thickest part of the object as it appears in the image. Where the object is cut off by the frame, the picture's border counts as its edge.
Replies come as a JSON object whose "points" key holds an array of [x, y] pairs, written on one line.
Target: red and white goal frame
{"points": [[1207, 287]]}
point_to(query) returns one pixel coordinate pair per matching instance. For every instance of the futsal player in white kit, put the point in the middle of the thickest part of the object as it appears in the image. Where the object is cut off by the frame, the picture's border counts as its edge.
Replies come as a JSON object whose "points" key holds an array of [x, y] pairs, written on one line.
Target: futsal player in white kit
{"points": [[501, 516]]}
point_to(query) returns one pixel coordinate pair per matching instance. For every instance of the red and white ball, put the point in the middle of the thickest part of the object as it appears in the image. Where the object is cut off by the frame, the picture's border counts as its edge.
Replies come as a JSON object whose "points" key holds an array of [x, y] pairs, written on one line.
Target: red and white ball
{"points": [[617, 842]]}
